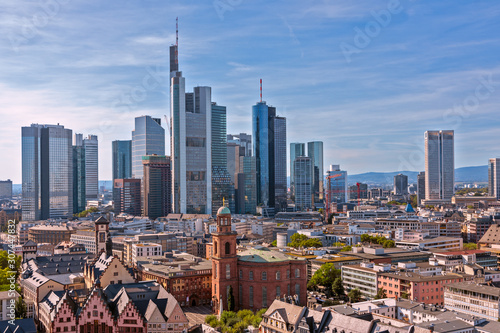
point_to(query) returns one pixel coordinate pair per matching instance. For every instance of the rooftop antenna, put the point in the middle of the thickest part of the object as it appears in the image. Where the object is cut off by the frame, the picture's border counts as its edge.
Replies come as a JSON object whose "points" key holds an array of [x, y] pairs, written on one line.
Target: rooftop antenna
{"points": [[176, 40], [261, 90]]}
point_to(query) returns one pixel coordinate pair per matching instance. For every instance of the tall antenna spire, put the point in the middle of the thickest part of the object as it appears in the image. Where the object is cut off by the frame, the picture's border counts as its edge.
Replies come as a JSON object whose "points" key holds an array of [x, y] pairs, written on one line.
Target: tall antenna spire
{"points": [[261, 90], [176, 40]]}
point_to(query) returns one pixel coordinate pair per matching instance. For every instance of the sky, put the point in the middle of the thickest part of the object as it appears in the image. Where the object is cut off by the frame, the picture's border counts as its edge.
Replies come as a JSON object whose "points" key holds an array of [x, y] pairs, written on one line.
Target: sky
{"points": [[367, 78]]}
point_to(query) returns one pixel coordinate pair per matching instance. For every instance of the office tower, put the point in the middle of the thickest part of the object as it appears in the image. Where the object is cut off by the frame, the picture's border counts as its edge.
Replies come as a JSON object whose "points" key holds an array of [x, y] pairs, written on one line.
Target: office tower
{"points": [[420, 187], [269, 148], [90, 145], [336, 185], [222, 191], [122, 159], [494, 178], [157, 186], [148, 138], [315, 152], [243, 140], [127, 196], [439, 165], [47, 172], [6, 189], [296, 149], [363, 191], [303, 171], [245, 186], [400, 184], [79, 175], [234, 152]]}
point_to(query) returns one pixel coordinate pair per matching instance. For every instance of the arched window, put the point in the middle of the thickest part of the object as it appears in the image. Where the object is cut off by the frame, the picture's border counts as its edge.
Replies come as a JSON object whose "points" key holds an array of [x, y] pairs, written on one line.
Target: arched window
{"points": [[264, 276], [297, 273], [228, 248], [250, 275], [278, 275], [215, 247]]}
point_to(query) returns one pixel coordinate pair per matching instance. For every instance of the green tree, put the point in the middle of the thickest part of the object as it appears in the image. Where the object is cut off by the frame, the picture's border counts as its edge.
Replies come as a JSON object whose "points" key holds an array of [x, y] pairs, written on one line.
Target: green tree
{"points": [[324, 277], [388, 243], [414, 200], [274, 243], [338, 287], [230, 299], [405, 295], [312, 242], [300, 240], [470, 246], [381, 293], [346, 248], [20, 309], [354, 295]]}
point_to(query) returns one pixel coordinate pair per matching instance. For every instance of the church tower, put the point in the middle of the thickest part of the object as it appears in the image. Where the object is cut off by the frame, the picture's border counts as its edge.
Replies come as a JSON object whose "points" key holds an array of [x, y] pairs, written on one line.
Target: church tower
{"points": [[224, 264], [101, 234]]}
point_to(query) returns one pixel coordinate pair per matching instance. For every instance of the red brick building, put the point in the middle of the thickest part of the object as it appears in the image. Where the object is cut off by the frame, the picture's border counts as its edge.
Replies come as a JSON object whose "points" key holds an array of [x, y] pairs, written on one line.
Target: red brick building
{"points": [[255, 277]]}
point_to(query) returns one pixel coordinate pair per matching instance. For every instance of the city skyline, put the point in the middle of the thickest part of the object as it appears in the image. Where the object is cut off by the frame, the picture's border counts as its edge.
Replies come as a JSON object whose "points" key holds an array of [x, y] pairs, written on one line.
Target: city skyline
{"points": [[379, 100]]}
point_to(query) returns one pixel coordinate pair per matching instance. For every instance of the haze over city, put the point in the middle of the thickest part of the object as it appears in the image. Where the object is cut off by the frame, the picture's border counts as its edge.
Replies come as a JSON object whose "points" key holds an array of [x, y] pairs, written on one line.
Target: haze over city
{"points": [[365, 84]]}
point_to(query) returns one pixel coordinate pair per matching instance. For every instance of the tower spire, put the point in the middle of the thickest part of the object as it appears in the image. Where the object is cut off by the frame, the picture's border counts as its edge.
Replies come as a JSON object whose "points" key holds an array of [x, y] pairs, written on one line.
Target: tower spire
{"points": [[261, 90]]}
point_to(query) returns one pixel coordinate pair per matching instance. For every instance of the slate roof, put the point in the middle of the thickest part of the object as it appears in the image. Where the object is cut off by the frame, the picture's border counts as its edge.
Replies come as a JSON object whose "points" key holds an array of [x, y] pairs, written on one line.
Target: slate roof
{"points": [[21, 326], [262, 256], [492, 235], [60, 263]]}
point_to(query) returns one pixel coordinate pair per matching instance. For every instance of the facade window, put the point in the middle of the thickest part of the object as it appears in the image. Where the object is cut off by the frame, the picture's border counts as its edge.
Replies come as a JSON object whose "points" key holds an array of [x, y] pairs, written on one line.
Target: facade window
{"points": [[250, 276], [278, 292], [288, 289], [241, 274], [228, 248], [215, 289], [297, 273], [297, 291], [287, 273], [215, 247], [251, 296], [264, 297], [215, 273], [240, 300], [228, 271], [264, 276], [278, 275]]}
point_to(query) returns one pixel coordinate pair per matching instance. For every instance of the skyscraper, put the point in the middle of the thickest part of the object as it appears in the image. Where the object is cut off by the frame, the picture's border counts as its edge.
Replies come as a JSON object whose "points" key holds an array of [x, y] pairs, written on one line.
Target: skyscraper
{"points": [[337, 189], [296, 149], [148, 138], [90, 145], [157, 186], [315, 152], [47, 172], [79, 174], [269, 147], [6, 189], [420, 187], [122, 159], [245, 189], [494, 177], [439, 165], [400, 184], [127, 196], [303, 170], [222, 190], [243, 140]]}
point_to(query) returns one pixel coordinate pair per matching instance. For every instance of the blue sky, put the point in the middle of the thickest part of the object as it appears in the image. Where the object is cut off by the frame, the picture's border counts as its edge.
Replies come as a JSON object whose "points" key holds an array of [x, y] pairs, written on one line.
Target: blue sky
{"points": [[366, 77]]}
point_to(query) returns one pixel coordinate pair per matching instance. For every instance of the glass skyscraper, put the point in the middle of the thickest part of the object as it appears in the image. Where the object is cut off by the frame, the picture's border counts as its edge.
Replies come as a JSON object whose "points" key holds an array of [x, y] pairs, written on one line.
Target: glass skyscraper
{"points": [[148, 138], [315, 152], [439, 165], [157, 186], [90, 144], [269, 147], [296, 149], [337, 189], [47, 172], [79, 197], [122, 159], [303, 170]]}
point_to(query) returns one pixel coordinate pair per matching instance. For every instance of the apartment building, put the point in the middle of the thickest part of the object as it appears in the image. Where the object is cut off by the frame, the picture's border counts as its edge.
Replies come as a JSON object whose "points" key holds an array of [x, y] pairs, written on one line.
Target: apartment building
{"points": [[473, 299]]}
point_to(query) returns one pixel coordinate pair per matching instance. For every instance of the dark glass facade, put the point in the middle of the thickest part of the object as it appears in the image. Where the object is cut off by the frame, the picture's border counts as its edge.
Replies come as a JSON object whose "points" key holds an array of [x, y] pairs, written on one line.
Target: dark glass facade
{"points": [[148, 138], [157, 186], [315, 152], [127, 196], [122, 159]]}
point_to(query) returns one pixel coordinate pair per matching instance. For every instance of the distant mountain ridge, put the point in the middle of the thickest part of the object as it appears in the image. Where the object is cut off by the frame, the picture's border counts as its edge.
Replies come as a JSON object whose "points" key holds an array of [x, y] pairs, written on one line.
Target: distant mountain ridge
{"points": [[464, 174]]}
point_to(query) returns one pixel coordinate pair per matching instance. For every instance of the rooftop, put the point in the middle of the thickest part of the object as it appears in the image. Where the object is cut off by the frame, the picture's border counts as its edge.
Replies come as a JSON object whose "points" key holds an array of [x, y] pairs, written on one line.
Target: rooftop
{"points": [[476, 288], [264, 255]]}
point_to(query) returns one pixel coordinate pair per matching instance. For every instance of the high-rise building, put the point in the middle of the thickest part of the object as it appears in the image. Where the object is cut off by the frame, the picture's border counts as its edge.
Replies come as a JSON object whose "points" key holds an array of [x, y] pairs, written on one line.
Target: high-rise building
{"points": [[222, 189], [245, 189], [122, 159], [269, 147], [6, 189], [400, 184], [47, 172], [234, 152], [148, 138], [303, 171], [296, 149], [191, 143], [439, 165], [157, 186], [337, 180], [243, 140], [315, 152], [363, 191], [127, 196], [90, 145], [79, 174], [494, 177], [420, 187]]}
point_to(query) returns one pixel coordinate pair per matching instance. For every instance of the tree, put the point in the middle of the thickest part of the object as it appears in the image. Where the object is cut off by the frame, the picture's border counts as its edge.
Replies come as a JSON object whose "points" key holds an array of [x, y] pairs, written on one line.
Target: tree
{"points": [[381, 293], [346, 248], [338, 288], [20, 309], [470, 246], [388, 243], [414, 200], [354, 295], [230, 299], [324, 277], [274, 243], [312, 242], [300, 240], [405, 295]]}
